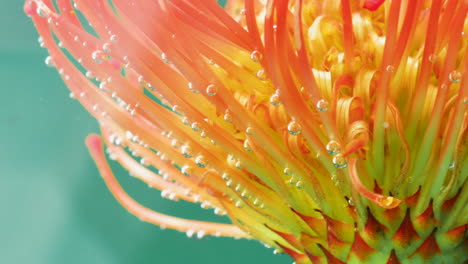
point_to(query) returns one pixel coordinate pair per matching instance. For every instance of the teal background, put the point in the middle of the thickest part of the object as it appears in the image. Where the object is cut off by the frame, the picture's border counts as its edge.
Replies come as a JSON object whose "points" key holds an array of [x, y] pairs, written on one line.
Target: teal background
{"points": [[54, 206]]}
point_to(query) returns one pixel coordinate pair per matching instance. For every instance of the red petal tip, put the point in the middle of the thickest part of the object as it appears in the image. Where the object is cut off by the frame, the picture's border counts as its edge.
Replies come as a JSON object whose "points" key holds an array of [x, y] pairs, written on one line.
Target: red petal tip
{"points": [[372, 5]]}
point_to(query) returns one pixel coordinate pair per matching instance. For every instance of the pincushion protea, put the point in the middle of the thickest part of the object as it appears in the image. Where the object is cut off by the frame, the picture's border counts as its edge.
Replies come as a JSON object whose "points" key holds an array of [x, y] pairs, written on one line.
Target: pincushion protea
{"points": [[334, 130]]}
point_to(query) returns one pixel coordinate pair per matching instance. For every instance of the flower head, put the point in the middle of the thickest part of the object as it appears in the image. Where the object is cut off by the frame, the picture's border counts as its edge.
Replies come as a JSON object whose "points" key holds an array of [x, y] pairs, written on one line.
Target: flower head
{"points": [[334, 130]]}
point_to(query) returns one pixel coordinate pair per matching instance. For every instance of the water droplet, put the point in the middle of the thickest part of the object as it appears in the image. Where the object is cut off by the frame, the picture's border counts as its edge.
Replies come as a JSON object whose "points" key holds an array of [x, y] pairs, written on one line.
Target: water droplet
{"points": [[294, 128], [201, 161], [165, 193], [165, 59], [143, 162], [203, 134], [261, 74], [211, 90], [219, 211], [114, 38], [200, 234], [292, 180], [98, 56], [275, 100], [333, 147], [190, 233], [175, 108], [431, 58], [229, 183], [387, 201], [228, 117], [196, 126], [247, 145], [256, 56], [340, 162], [225, 176], [239, 165], [256, 202], [187, 151], [40, 10], [89, 74], [287, 171], [452, 165], [205, 205], [186, 170], [455, 76], [249, 130], [106, 47], [185, 121], [299, 185], [49, 62], [322, 105], [390, 68]]}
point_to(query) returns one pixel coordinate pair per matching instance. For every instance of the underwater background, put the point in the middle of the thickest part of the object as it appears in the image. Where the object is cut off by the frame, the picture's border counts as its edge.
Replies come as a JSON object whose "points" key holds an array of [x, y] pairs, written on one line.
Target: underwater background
{"points": [[54, 206]]}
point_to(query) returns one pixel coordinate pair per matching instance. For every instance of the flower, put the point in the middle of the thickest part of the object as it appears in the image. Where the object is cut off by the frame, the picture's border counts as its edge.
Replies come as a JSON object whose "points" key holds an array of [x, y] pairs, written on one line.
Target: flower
{"points": [[334, 130]]}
